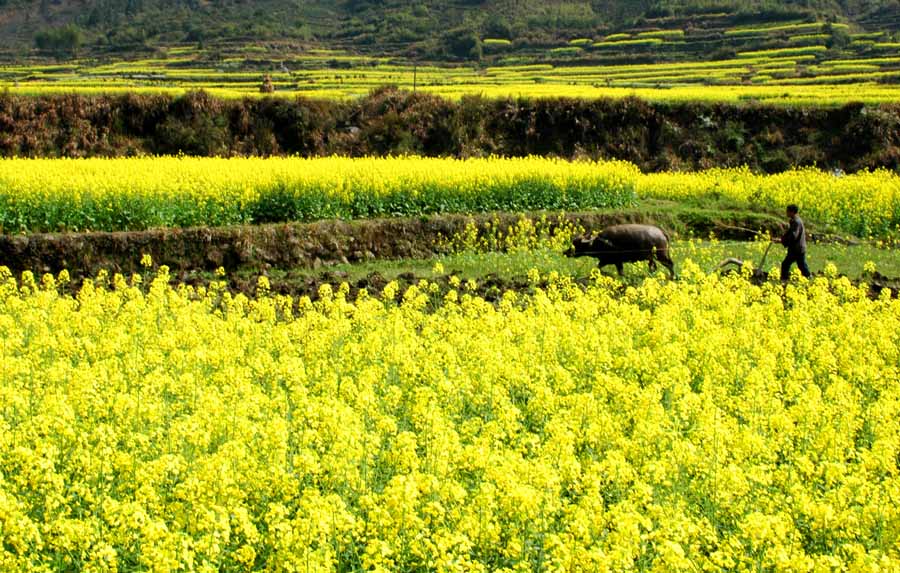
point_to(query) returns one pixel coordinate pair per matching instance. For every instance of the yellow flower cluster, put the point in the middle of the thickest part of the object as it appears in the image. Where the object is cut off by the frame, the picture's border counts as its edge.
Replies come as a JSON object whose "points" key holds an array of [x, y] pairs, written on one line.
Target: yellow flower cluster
{"points": [[139, 193], [132, 194], [863, 203], [699, 425]]}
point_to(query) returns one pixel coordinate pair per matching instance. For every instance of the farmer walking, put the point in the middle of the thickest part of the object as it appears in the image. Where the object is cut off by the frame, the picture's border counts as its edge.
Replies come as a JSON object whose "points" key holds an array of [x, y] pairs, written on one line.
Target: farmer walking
{"points": [[795, 241]]}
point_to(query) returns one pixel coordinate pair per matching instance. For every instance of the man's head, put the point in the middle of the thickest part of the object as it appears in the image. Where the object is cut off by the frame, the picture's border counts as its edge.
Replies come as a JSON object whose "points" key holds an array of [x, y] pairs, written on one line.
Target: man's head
{"points": [[792, 210]]}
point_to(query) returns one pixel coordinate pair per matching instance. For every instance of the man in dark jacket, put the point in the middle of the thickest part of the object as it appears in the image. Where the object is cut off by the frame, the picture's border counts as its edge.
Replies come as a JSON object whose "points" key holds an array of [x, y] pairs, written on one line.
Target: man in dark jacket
{"points": [[795, 241]]}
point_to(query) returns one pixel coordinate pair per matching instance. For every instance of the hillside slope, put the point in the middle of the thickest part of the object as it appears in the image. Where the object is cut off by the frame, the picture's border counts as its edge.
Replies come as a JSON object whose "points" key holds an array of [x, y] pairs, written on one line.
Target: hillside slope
{"points": [[433, 28]]}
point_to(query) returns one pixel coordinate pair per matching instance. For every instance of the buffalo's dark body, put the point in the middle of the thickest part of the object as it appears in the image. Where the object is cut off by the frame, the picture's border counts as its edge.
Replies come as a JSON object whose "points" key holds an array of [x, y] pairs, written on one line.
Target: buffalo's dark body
{"points": [[622, 244]]}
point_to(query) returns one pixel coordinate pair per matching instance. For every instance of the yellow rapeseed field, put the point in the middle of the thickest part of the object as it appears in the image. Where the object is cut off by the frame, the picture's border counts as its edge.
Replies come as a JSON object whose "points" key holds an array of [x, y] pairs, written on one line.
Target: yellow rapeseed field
{"points": [[699, 425], [864, 203], [140, 193], [672, 87]]}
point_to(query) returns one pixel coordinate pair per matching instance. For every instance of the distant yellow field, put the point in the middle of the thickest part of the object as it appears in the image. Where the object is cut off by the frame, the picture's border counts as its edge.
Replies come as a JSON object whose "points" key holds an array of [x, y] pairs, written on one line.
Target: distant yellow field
{"points": [[816, 94], [795, 75]]}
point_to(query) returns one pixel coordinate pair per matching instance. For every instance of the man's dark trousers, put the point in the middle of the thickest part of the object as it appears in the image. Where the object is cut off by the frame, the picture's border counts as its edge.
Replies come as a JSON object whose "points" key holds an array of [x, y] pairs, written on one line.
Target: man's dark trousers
{"points": [[791, 258]]}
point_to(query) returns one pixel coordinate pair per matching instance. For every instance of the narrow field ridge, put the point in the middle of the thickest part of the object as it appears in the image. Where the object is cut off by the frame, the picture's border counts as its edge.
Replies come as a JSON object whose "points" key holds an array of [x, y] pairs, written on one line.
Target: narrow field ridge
{"points": [[322, 243]]}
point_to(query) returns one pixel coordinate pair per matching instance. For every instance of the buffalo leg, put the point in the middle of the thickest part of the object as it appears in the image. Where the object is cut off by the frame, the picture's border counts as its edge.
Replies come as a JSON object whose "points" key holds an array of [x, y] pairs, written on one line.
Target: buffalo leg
{"points": [[619, 269], [669, 264]]}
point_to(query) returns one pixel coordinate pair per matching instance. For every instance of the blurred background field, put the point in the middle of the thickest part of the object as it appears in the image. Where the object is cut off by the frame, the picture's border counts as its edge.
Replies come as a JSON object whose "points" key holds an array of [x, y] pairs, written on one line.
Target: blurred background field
{"points": [[828, 53], [805, 75]]}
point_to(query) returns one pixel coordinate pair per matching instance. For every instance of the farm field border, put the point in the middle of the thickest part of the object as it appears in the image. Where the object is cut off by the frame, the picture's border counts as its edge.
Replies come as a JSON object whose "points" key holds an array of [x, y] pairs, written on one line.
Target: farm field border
{"points": [[311, 245]]}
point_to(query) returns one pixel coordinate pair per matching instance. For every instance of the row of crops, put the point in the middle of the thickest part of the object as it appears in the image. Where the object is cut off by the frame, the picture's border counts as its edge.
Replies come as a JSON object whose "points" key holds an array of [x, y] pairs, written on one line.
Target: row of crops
{"points": [[786, 63], [712, 37], [759, 75], [140, 193], [797, 93]]}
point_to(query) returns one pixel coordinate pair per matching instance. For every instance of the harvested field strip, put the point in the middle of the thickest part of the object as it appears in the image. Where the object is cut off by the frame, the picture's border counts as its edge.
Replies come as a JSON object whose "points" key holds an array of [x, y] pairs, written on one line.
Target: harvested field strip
{"points": [[494, 273]]}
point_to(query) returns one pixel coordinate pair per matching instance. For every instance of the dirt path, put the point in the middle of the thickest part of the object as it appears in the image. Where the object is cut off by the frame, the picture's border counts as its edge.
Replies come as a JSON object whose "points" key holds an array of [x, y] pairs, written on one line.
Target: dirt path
{"points": [[489, 287], [315, 245]]}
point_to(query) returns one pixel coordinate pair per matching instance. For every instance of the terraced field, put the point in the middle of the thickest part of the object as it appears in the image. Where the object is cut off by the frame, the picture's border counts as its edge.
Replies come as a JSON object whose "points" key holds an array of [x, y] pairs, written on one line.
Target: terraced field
{"points": [[753, 63]]}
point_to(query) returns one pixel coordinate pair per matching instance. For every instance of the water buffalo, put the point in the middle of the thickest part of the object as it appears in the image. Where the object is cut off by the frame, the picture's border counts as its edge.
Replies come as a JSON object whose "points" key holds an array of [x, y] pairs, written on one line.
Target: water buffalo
{"points": [[625, 244]]}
